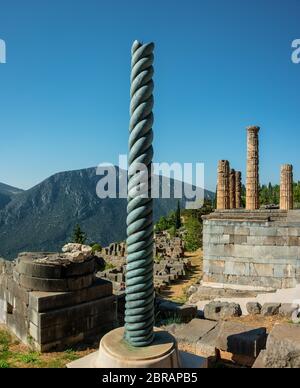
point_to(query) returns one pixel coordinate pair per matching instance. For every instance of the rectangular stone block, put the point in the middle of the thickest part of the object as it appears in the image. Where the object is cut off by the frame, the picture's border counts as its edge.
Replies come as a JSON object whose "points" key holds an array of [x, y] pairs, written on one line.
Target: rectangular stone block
{"points": [[239, 239], [284, 271], [263, 231], [294, 232], [73, 313], [293, 241], [18, 325], [216, 267], [236, 338], [229, 229], [236, 268], [67, 328], [242, 231], [2, 311], [259, 270], [46, 301], [16, 291], [273, 241], [255, 240]]}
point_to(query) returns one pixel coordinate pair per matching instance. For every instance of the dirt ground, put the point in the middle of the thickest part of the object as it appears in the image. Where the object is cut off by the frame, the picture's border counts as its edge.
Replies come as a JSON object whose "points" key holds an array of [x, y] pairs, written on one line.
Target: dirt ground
{"points": [[177, 290]]}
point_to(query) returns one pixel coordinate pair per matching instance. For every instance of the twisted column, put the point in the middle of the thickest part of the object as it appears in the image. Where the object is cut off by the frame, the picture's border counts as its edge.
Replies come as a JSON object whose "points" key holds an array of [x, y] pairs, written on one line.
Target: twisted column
{"points": [[252, 186], [223, 201], [139, 313], [286, 187]]}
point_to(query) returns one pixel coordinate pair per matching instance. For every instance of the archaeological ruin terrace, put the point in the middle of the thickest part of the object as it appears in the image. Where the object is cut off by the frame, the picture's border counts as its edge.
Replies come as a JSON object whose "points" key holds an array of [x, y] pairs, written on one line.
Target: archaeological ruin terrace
{"points": [[251, 247]]}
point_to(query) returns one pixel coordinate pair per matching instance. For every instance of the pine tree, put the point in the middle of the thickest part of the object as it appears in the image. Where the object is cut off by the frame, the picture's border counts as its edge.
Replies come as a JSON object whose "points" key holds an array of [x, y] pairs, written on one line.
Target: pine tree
{"points": [[79, 237], [178, 217]]}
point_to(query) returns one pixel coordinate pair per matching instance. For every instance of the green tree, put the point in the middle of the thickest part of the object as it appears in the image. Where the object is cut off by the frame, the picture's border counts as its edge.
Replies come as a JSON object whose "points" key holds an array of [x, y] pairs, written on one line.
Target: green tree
{"points": [[79, 237], [178, 217], [162, 224], [193, 234], [96, 248]]}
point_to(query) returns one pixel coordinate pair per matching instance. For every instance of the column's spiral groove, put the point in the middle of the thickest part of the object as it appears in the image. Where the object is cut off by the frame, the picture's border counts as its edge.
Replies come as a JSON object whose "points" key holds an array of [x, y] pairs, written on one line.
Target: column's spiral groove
{"points": [[139, 315]]}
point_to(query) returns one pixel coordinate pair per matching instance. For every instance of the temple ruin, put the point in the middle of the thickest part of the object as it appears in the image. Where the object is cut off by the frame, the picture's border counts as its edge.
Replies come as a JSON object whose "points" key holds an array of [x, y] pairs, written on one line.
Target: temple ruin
{"points": [[252, 185], [238, 189], [232, 188], [286, 187], [223, 199], [253, 248]]}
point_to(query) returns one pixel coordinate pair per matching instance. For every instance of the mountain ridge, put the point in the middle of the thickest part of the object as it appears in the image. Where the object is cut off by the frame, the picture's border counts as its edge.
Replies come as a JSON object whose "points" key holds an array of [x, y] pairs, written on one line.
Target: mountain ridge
{"points": [[43, 217]]}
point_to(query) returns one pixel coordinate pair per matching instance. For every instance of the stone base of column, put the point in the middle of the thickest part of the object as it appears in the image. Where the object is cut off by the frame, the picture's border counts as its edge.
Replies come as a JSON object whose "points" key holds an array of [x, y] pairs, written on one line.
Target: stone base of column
{"points": [[114, 352]]}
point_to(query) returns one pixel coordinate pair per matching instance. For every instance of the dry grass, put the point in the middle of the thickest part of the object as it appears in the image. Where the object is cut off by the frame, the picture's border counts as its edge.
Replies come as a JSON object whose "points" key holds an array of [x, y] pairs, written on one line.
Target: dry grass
{"points": [[257, 321]]}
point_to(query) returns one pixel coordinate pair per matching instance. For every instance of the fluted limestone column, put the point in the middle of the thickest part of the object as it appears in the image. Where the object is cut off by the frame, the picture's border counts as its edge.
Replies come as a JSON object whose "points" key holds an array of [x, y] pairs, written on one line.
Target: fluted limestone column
{"points": [[223, 200], [238, 189], [286, 187], [252, 185], [232, 187]]}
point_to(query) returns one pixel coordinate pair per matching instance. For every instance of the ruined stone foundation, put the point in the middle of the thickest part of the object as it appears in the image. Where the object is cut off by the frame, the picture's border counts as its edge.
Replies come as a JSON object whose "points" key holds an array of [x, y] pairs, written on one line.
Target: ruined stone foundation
{"points": [[51, 302], [252, 249]]}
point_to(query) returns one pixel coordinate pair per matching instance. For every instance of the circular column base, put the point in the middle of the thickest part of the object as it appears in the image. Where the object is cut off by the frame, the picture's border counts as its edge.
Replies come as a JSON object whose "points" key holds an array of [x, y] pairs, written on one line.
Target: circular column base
{"points": [[115, 352]]}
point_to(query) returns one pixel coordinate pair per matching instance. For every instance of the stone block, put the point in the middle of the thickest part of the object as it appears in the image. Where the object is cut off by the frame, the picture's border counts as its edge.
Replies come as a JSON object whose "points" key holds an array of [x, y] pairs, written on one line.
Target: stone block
{"points": [[240, 239], [261, 270], [236, 268], [270, 309], [2, 311], [194, 330], [284, 271], [216, 266], [76, 327], [216, 311], [236, 338], [242, 231], [61, 317], [287, 309], [14, 290], [263, 231], [45, 301], [18, 325], [170, 309], [283, 348], [52, 285], [253, 308]]}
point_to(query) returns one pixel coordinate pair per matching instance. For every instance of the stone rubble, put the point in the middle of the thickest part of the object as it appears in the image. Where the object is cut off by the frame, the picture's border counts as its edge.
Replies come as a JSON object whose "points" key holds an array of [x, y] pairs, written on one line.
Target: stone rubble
{"points": [[169, 262]]}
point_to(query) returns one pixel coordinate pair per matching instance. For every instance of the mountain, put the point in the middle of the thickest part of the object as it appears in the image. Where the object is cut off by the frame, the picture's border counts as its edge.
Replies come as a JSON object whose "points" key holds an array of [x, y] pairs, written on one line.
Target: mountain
{"points": [[6, 194], [43, 218]]}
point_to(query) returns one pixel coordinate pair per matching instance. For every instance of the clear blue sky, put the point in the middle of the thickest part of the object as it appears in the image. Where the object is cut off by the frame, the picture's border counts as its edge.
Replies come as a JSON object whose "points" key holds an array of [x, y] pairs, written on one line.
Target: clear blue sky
{"points": [[220, 65]]}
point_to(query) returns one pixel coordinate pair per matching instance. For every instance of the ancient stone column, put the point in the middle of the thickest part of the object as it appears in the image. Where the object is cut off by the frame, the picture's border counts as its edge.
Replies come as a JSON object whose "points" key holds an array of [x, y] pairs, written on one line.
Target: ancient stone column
{"points": [[252, 185], [238, 189], [223, 201], [286, 187], [232, 187]]}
